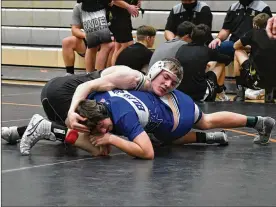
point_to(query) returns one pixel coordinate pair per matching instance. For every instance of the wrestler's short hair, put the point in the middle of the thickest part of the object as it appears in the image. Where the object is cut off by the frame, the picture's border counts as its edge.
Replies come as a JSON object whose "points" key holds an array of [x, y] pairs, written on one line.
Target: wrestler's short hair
{"points": [[93, 111]]}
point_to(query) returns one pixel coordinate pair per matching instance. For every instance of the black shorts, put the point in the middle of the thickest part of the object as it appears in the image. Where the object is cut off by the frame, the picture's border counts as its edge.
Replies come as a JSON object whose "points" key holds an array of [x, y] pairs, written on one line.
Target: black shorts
{"points": [[212, 82], [97, 38], [85, 42], [122, 31], [56, 95]]}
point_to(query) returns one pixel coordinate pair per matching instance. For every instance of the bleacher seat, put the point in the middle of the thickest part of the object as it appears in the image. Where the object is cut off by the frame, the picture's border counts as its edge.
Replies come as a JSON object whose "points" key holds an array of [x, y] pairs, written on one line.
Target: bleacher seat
{"points": [[62, 18], [32, 31], [36, 56], [38, 38], [146, 4]]}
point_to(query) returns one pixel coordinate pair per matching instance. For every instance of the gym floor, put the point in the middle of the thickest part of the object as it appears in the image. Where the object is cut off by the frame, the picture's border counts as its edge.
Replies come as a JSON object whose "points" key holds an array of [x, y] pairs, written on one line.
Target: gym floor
{"points": [[241, 174]]}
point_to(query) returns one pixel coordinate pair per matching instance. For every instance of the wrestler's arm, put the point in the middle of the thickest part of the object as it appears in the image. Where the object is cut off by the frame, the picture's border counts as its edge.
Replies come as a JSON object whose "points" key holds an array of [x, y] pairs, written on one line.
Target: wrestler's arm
{"points": [[114, 77], [140, 147], [121, 77]]}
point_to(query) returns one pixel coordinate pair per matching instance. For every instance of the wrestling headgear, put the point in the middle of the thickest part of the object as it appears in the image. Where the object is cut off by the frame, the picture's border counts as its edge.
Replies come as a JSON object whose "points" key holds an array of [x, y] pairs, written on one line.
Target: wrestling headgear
{"points": [[170, 65]]}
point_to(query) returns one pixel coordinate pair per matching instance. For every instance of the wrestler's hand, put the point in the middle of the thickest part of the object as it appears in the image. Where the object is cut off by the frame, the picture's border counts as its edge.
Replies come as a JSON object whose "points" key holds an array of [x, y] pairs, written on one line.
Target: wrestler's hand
{"points": [[271, 28], [99, 140], [73, 120], [102, 141]]}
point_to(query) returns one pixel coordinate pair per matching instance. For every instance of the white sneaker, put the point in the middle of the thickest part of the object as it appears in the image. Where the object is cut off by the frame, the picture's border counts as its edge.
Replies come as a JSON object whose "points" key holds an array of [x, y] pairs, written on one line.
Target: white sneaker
{"points": [[222, 97], [254, 94], [38, 128], [10, 134]]}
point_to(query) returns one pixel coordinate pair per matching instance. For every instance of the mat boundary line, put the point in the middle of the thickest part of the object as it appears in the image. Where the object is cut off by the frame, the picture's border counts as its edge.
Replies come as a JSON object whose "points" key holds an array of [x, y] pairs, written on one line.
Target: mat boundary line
{"points": [[56, 163]]}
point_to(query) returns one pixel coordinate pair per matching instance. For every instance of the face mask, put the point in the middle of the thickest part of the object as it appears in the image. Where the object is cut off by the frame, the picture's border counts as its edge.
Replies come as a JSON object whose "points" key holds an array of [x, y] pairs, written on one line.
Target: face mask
{"points": [[190, 6], [87, 5], [245, 2], [92, 6]]}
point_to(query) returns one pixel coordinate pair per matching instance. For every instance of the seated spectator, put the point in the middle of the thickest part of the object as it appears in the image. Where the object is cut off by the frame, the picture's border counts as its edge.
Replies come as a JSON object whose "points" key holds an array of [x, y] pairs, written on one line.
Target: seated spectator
{"points": [[95, 35], [259, 70], [193, 11], [237, 22], [76, 42], [168, 49], [194, 57], [138, 55], [121, 25]]}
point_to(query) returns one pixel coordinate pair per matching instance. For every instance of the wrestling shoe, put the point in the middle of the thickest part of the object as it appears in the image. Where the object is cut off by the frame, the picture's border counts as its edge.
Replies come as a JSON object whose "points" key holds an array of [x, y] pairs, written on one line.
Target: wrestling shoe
{"points": [[264, 127], [217, 137], [10, 134], [38, 129]]}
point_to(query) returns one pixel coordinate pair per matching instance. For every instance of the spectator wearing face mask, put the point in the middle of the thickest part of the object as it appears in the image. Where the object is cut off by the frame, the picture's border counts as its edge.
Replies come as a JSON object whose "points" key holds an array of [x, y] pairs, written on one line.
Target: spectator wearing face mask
{"points": [[238, 21], [193, 11]]}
